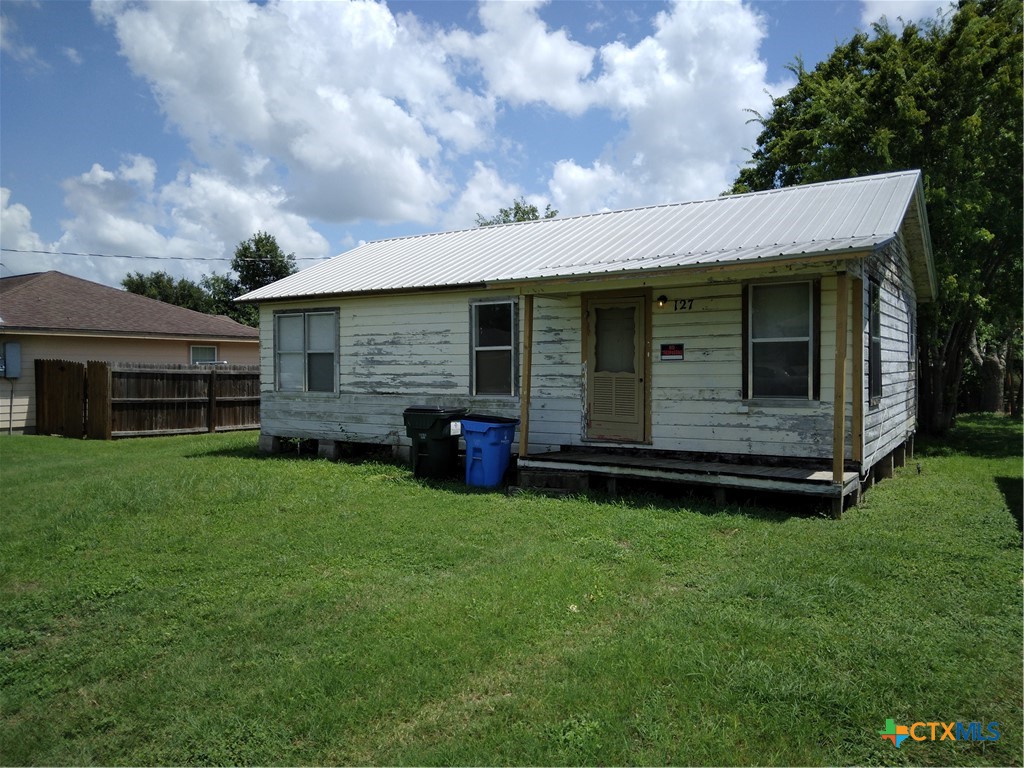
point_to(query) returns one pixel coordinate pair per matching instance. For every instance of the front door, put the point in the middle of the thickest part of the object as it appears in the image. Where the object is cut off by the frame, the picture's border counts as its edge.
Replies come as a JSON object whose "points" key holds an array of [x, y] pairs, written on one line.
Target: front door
{"points": [[615, 368]]}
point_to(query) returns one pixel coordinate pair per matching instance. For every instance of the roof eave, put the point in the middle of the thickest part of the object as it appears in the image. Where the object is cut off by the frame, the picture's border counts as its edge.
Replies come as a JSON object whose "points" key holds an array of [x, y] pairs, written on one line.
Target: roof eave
{"points": [[98, 333]]}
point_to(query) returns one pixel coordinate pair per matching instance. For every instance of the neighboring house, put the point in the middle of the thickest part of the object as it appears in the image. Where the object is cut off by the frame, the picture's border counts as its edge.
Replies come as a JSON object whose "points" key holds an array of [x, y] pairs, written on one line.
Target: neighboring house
{"points": [[694, 341], [50, 315]]}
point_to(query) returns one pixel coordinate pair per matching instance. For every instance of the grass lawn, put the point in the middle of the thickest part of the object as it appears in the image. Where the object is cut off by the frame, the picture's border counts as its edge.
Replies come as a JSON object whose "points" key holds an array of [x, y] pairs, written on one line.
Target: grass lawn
{"points": [[187, 601]]}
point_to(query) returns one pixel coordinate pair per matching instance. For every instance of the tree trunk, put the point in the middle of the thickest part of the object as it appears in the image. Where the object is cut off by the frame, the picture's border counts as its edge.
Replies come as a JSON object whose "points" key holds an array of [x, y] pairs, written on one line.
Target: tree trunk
{"points": [[942, 368], [991, 365], [940, 384]]}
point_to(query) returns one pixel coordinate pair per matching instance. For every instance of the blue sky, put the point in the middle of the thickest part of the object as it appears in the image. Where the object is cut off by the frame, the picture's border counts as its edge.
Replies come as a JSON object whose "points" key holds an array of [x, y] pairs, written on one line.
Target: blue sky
{"points": [[168, 132]]}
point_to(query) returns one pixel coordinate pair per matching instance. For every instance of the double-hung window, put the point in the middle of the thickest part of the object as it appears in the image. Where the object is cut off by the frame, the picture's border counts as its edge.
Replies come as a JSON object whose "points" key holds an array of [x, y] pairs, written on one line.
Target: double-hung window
{"points": [[780, 341], [493, 336], [305, 347], [203, 354]]}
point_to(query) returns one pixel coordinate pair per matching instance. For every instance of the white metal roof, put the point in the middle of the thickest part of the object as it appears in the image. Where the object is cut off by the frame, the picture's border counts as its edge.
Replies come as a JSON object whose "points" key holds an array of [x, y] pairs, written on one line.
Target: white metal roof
{"points": [[812, 220]]}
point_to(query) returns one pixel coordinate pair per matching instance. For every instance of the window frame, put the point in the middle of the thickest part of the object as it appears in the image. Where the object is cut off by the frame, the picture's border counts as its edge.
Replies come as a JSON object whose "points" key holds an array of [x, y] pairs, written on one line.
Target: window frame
{"points": [[192, 354], [813, 342], [512, 348], [306, 350], [874, 341]]}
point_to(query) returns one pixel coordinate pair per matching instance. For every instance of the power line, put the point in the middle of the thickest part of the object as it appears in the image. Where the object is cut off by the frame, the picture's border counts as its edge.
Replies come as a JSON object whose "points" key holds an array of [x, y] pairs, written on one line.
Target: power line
{"points": [[154, 258]]}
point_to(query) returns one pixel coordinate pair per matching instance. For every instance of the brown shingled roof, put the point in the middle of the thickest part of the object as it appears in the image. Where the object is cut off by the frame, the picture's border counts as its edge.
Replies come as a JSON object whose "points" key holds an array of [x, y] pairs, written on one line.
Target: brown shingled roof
{"points": [[53, 301]]}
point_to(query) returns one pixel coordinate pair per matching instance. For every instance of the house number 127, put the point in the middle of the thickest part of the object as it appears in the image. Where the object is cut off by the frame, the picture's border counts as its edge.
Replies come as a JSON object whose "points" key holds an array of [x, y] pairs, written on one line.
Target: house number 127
{"points": [[683, 305]]}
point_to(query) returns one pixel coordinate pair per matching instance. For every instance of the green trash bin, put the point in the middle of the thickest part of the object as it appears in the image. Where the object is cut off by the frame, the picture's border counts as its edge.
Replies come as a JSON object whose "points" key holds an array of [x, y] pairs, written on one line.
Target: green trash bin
{"points": [[435, 439]]}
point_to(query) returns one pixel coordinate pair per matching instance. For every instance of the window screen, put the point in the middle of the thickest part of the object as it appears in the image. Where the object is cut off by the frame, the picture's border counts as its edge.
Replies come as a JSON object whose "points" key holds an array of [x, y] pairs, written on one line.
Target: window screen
{"points": [[306, 350], [493, 350], [780, 343]]}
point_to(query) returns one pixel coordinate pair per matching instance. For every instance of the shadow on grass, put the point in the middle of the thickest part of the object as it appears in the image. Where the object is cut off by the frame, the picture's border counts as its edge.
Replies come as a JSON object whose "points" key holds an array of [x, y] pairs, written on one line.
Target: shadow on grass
{"points": [[641, 494], [306, 450], [983, 435], [1012, 489]]}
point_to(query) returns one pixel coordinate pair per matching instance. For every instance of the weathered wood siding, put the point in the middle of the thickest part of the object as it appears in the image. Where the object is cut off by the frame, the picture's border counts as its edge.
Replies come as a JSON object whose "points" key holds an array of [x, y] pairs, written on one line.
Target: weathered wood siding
{"points": [[406, 350], [696, 403], [394, 352], [893, 419]]}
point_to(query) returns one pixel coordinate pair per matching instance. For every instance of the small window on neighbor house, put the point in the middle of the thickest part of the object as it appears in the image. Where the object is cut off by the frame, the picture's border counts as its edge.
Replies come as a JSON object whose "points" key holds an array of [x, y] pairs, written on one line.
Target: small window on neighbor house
{"points": [[875, 340], [202, 355], [780, 340], [305, 346], [493, 350]]}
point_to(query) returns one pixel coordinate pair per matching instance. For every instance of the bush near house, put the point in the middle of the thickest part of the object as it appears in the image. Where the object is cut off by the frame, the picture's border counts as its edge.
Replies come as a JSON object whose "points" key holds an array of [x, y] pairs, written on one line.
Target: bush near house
{"points": [[186, 601]]}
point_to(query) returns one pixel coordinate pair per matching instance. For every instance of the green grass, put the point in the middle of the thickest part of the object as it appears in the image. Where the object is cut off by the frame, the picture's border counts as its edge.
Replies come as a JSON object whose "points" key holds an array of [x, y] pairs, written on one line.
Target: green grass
{"points": [[187, 601]]}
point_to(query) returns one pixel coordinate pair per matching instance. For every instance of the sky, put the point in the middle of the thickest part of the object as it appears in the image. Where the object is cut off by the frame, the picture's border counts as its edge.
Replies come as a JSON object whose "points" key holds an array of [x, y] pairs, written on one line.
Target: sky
{"points": [[145, 136]]}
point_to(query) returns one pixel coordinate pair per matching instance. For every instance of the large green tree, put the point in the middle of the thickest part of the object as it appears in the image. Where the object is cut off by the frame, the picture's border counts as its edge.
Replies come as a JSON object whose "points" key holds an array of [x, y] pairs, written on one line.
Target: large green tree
{"points": [[520, 210], [260, 261], [944, 97], [164, 287]]}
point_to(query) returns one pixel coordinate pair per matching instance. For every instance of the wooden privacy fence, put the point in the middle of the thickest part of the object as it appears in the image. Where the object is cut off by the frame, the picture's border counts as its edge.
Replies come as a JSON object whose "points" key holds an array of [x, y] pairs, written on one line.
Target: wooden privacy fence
{"points": [[108, 400]]}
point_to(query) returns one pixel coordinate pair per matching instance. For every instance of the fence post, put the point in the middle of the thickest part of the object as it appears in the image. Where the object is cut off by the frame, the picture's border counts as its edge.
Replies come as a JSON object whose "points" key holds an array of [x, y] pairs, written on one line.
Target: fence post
{"points": [[211, 411], [100, 411]]}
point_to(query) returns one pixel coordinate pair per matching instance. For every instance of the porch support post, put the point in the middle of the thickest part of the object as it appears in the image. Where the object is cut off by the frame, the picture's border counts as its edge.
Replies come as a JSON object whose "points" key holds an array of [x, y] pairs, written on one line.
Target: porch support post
{"points": [[839, 386], [858, 370], [524, 387]]}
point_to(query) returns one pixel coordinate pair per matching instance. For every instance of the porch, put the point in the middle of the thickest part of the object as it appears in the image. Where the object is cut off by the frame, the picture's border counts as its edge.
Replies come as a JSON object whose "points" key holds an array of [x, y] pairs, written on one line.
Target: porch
{"points": [[575, 469]]}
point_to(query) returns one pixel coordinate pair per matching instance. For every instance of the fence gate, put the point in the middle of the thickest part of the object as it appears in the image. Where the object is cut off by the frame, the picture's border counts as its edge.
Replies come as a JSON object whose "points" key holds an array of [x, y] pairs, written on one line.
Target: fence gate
{"points": [[60, 398]]}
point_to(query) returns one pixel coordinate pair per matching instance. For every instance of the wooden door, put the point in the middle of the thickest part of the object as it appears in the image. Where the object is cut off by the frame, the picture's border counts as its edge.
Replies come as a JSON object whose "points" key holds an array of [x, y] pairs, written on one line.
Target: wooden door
{"points": [[616, 337]]}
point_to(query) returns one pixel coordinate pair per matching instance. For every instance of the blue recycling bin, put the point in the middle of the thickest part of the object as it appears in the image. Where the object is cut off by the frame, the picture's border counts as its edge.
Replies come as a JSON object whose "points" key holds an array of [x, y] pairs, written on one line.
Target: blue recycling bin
{"points": [[488, 448]]}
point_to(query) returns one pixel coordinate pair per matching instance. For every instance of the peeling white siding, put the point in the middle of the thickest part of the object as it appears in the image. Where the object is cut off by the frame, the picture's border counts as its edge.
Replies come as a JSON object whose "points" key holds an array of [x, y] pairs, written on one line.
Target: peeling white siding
{"points": [[394, 352], [893, 419], [414, 349]]}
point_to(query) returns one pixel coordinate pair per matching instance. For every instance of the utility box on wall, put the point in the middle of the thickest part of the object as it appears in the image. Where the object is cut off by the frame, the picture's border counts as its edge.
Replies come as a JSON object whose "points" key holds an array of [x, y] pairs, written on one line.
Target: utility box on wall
{"points": [[10, 360]]}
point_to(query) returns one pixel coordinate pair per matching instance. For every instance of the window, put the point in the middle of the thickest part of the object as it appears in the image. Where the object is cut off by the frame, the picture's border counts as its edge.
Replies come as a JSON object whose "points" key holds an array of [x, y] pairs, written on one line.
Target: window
{"points": [[202, 355], [493, 339], [305, 345], [875, 344], [911, 333], [780, 340]]}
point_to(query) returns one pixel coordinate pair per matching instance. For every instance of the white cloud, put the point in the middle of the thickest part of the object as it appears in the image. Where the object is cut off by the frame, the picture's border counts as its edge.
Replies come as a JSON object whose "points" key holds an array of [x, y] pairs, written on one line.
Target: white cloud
{"points": [[344, 112], [73, 56], [16, 225], [484, 194], [577, 190], [351, 105], [189, 227], [523, 61], [12, 45], [683, 92], [908, 10]]}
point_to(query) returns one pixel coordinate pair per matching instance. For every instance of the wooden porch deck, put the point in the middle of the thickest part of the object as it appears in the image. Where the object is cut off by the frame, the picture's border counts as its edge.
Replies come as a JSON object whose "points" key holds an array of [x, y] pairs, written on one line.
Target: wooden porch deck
{"points": [[547, 469]]}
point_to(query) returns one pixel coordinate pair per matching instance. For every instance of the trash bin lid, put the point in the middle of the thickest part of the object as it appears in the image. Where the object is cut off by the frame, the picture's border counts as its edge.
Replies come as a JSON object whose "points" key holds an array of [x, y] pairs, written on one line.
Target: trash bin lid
{"points": [[435, 410], [483, 419]]}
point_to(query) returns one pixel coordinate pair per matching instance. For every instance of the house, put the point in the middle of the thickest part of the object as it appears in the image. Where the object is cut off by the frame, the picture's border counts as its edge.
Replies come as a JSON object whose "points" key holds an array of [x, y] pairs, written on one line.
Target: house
{"points": [[50, 315], [700, 341]]}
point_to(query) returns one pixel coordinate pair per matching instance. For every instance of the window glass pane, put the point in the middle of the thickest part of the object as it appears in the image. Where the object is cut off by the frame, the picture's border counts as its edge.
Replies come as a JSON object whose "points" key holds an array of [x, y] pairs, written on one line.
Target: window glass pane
{"points": [[615, 331], [289, 371], [494, 325], [289, 333], [494, 372], [780, 311], [320, 331], [780, 369], [203, 354], [320, 372]]}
